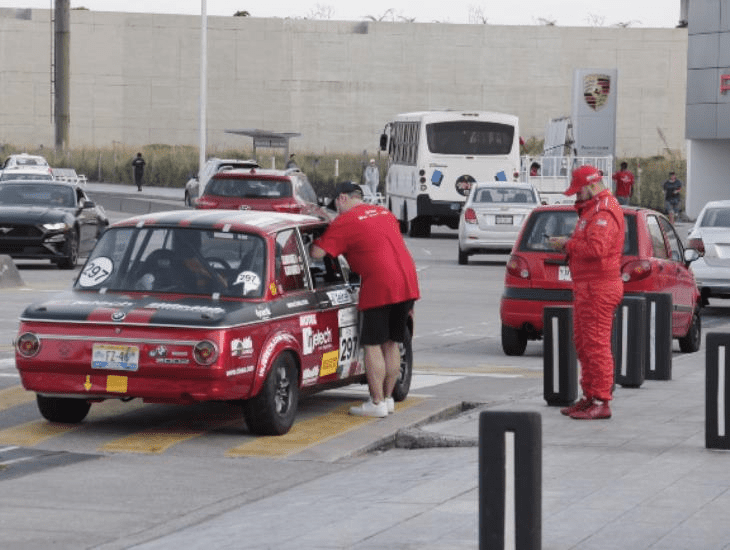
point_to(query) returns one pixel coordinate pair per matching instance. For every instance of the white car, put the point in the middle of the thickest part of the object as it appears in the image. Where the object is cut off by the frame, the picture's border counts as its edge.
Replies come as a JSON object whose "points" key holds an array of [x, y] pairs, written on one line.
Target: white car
{"points": [[23, 163], [492, 217], [710, 235], [195, 186]]}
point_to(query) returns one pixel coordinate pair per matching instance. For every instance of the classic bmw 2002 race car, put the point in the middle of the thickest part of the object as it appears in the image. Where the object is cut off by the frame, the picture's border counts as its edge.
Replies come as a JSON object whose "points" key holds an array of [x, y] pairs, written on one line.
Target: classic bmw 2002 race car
{"points": [[191, 306]]}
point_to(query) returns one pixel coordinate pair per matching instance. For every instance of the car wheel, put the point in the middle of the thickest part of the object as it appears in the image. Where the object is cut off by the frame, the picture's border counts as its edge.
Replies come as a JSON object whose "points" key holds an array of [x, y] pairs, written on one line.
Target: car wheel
{"points": [[690, 342], [514, 341], [272, 411], [403, 384], [421, 227], [63, 409], [71, 252], [463, 257]]}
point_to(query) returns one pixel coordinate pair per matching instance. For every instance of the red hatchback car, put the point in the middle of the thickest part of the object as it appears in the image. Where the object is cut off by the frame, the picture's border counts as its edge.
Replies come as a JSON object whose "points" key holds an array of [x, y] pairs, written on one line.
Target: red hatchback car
{"points": [[259, 189], [654, 260]]}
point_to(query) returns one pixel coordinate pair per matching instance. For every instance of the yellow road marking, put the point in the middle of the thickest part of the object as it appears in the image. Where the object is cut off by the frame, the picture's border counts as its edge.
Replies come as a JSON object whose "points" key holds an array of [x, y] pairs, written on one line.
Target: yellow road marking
{"points": [[14, 396], [158, 439], [32, 433], [310, 432]]}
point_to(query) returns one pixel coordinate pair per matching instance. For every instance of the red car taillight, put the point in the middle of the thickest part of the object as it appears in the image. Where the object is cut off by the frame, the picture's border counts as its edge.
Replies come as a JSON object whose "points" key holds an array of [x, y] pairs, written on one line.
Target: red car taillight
{"points": [[697, 244], [470, 216], [28, 344], [203, 203], [635, 270], [205, 352], [518, 267], [288, 207]]}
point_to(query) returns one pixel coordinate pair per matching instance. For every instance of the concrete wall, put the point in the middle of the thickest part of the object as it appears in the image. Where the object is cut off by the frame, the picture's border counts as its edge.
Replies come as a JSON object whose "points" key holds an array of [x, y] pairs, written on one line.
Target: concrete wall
{"points": [[134, 78]]}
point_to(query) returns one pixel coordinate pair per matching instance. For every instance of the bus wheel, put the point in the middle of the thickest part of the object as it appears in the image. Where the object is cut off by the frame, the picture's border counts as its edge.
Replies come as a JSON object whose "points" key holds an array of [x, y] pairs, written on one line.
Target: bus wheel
{"points": [[421, 227]]}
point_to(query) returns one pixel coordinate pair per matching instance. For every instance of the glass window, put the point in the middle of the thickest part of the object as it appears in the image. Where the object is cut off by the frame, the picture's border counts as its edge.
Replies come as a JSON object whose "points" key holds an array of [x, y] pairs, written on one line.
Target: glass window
{"points": [[672, 240], [547, 224], [469, 137], [659, 246], [290, 267]]}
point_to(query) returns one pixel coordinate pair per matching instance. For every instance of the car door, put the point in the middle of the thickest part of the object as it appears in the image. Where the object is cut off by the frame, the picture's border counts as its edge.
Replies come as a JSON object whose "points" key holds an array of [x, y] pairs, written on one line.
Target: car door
{"points": [[680, 280], [88, 219], [336, 299]]}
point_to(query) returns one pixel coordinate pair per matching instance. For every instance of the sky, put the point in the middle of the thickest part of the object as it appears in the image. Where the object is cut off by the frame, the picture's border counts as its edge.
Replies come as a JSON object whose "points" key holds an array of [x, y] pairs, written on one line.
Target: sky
{"points": [[642, 13]]}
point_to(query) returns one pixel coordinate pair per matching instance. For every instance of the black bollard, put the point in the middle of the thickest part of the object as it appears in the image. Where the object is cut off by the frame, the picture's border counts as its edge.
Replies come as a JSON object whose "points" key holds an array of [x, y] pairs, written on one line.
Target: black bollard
{"points": [[510, 480], [629, 340], [560, 367], [717, 389], [659, 336]]}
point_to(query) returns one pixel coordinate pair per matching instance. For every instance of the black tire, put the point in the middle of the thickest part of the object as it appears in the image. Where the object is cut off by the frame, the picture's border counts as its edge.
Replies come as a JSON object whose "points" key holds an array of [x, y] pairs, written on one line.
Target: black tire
{"points": [[514, 341], [272, 411], [403, 384], [71, 252], [690, 342], [421, 227], [463, 257], [63, 409]]}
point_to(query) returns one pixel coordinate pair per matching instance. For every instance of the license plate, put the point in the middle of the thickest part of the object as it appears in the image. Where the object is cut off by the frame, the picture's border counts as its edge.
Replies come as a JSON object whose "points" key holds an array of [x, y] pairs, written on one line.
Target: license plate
{"points": [[111, 357], [564, 273], [502, 219]]}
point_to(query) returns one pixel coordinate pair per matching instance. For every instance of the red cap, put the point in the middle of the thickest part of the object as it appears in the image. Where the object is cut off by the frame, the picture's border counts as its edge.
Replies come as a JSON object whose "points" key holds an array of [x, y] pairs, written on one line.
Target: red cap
{"points": [[585, 175]]}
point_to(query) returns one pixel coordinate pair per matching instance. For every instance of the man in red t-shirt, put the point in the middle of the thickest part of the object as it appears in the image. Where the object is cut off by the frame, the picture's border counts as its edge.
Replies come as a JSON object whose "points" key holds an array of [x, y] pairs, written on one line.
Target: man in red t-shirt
{"points": [[370, 239], [624, 184]]}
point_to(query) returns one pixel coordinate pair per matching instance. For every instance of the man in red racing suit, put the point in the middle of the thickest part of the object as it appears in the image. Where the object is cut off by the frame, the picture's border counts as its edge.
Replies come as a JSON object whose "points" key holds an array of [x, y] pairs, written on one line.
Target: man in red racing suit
{"points": [[594, 256]]}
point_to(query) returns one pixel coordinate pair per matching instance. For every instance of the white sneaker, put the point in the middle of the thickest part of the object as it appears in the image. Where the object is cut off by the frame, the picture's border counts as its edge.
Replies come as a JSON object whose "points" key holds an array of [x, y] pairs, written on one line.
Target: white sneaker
{"points": [[379, 410], [390, 403]]}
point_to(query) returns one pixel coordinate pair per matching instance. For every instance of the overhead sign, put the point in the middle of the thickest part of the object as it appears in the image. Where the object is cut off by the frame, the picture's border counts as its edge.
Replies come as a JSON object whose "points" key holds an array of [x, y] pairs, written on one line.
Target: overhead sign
{"points": [[269, 142], [594, 112]]}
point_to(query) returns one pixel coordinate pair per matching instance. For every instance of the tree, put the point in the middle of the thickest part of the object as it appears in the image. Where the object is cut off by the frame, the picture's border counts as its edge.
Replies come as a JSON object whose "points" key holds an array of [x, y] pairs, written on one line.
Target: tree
{"points": [[321, 11], [242, 13], [476, 15]]}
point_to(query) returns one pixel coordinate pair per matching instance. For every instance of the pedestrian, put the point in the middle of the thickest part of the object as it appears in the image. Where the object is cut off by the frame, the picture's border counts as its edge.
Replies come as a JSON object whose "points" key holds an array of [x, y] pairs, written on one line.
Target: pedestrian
{"points": [[624, 184], [138, 164], [291, 164], [672, 197], [594, 257], [371, 176], [369, 237]]}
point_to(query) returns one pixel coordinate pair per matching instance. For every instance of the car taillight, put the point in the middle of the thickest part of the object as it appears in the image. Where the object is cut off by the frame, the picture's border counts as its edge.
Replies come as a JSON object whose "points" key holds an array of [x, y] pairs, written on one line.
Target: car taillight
{"points": [[28, 344], [205, 352], [518, 267], [697, 244], [202, 202], [288, 207], [470, 216], [635, 270]]}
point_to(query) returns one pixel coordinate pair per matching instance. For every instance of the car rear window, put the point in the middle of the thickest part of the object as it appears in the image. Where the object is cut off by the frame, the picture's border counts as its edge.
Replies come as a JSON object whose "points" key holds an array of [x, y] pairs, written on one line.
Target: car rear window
{"points": [[249, 188], [504, 195], [561, 223], [716, 217]]}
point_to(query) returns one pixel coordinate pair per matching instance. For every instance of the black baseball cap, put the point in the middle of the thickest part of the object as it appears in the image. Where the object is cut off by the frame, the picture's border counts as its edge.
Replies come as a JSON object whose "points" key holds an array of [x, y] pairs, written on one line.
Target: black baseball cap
{"points": [[346, 187]]}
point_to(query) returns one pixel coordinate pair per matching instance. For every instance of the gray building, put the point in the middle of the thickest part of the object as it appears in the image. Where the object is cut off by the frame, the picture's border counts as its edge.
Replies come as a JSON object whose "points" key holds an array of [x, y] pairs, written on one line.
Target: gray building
{"points": [[134, 78], [708, 103]]}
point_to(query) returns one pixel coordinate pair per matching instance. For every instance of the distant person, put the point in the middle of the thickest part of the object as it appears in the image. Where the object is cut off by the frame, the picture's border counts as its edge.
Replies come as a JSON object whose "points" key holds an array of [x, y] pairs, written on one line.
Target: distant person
{"points": [[138, 164], [672, 187], [372, 176], [291, 163], [535, 169], [624, 184]]}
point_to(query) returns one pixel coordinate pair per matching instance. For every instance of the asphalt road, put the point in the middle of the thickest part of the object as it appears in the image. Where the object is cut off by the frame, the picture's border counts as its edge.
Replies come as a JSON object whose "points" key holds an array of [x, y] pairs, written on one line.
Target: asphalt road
{"points": [[199, 461]]}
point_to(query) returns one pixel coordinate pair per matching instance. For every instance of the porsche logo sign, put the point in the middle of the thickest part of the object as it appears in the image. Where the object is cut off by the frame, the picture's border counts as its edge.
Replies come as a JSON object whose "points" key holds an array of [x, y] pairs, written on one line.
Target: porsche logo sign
{"points": [[596, 89]]}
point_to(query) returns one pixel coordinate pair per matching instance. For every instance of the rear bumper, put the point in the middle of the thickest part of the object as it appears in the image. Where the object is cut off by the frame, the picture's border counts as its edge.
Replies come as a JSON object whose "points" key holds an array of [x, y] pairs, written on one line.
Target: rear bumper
{"points": [[522, 308]]}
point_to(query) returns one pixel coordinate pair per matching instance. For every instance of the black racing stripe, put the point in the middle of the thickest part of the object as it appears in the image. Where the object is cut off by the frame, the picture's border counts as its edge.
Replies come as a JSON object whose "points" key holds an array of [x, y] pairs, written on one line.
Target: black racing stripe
{"points": [[539, 294]]}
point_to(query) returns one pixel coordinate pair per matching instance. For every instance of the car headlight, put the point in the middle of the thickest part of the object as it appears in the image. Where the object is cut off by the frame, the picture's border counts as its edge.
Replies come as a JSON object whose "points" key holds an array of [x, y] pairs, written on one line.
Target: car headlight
{"points": [[59, 226]]}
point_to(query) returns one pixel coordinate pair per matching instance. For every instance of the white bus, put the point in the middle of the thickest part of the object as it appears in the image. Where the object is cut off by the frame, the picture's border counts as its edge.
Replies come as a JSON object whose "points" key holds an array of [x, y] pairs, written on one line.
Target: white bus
{"points": [[435, 156]]}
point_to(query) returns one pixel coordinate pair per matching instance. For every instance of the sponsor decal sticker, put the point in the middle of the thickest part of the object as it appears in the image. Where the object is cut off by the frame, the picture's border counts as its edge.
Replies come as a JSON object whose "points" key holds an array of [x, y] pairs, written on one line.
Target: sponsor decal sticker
{"points": [[240, 370], [96, 271], [251, 281], [339, 297], [348, 344], [308, 320], [347, 317], [297, 303], [272, 288], [309, 376], [329, 363], [268, 350], [181, 307], [263, 312], [315, 339], [242, 347]]}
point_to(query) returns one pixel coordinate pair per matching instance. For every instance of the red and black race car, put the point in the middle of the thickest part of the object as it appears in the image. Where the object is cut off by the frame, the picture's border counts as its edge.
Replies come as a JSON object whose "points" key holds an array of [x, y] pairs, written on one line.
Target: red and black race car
{"points": [[190, 306]]}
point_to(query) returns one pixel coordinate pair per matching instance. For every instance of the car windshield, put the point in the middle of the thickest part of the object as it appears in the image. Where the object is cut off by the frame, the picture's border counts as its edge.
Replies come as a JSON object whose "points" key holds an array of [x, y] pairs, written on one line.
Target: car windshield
{"points": [[494, 194], [42, 194], [249, 188], [30, 161], [176, 260], [25, 176], [716, 217], [561, 223]]}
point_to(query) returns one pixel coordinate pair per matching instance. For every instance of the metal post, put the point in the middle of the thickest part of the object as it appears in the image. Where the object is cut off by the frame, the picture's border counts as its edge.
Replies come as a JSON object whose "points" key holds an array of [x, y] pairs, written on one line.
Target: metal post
{"points": [[203, 84], [62, 68], [717, 388], [629, 341], [659, 336], [510, 480], [560, 367]]}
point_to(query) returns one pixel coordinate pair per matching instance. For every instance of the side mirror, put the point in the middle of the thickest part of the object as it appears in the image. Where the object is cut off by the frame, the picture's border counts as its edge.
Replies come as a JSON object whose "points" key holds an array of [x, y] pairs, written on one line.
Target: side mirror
{"points": [[383, 142], [690, 255]]}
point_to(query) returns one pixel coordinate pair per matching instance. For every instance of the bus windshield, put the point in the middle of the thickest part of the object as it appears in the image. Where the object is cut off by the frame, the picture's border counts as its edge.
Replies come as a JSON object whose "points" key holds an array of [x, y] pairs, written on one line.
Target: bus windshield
{"points": [[468, 137]]}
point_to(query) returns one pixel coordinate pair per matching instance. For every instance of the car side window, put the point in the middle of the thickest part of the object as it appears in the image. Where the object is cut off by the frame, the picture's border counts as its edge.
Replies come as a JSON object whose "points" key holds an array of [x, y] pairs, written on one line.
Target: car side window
{"points": [[326, 271], [289, 262], [658, 244], [675, 245]]}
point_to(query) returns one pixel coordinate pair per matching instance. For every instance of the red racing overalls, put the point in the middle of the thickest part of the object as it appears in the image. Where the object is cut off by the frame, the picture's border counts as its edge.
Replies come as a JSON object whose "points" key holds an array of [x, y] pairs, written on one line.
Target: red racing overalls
{"points": [[594, 256]]}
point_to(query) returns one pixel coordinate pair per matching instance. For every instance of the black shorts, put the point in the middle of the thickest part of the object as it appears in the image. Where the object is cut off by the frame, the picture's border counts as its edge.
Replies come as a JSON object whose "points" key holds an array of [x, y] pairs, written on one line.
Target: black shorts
{"points": [[381, 324]]}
